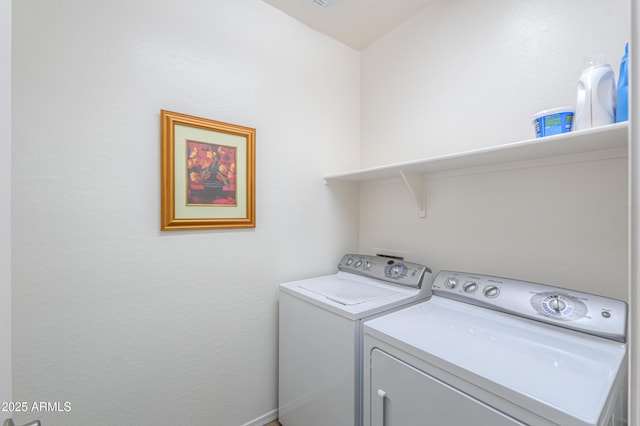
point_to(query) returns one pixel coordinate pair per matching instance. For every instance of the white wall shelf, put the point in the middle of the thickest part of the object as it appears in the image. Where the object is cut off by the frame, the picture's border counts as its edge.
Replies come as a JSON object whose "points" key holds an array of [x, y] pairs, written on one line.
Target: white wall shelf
{"points": [[600, 140]]}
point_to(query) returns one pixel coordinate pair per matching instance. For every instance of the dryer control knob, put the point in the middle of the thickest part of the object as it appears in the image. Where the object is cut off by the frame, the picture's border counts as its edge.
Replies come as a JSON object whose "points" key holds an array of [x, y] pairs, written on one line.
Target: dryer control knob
{"points": [[451, 282], [470, 287], [491, 291], [557, 304]]}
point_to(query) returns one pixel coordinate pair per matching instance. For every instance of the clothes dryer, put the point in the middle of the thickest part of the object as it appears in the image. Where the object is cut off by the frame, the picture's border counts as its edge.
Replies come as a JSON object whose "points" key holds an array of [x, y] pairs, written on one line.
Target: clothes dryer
{"points": [[494, 351]]}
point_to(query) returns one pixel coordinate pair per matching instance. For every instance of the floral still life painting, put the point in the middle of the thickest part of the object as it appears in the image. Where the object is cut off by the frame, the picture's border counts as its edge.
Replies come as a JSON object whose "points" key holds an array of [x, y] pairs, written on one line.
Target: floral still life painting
{"points": [[211, 173], [207, 173]]}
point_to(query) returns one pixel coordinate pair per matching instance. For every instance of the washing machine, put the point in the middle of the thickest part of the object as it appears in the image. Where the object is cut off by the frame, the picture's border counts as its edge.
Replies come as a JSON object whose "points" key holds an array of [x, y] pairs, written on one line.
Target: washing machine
{"points": [[494, 351], [320, 335]]}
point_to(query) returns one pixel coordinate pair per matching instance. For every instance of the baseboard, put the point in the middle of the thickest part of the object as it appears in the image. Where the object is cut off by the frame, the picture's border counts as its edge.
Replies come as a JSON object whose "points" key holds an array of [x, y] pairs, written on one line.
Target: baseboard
{"points": [[264, 419]]}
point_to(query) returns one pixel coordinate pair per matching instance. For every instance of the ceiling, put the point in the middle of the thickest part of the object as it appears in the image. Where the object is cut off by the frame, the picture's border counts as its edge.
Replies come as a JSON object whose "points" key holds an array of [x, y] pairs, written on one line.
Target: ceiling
{"points": [[355, 23]]}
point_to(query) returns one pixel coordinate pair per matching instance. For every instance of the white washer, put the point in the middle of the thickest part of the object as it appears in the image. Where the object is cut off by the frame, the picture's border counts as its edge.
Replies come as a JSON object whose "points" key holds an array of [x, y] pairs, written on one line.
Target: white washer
{"points": [[494, 351], [320, 335]]}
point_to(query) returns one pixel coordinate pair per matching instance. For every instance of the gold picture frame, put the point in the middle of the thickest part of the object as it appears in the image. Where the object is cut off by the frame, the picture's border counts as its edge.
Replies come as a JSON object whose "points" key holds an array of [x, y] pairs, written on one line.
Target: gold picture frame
{"points": [[207, 173]]}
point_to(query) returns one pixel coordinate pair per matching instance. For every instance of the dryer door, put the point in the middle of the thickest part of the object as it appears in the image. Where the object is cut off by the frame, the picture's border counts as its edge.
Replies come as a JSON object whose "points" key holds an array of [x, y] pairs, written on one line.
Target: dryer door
{"points": [[402, 395]]}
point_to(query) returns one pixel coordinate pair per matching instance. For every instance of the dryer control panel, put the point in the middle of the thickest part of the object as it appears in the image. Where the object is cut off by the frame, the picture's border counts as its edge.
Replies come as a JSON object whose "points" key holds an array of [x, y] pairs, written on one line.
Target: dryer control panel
{"points": [[387, 269], [584, 312]]}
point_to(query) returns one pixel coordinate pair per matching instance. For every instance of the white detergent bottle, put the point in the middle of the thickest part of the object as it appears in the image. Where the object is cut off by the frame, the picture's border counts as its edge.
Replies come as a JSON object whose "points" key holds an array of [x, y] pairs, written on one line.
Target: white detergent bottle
{"points": [[596, 102]]}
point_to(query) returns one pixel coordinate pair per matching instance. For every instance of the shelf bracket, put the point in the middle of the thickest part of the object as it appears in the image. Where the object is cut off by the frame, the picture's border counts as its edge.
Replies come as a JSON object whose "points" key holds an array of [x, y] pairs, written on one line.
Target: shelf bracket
{"points": [[415, 184]]}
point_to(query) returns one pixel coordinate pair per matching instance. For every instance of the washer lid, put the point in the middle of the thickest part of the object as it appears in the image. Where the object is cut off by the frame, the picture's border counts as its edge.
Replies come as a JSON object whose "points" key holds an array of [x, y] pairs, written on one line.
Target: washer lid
{"points": [[346, 292], [353, 296]]}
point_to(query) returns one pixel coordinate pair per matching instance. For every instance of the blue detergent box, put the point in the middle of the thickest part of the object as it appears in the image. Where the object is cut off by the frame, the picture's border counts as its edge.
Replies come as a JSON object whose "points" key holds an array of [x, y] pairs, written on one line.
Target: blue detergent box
{"points": [[553, 121]]}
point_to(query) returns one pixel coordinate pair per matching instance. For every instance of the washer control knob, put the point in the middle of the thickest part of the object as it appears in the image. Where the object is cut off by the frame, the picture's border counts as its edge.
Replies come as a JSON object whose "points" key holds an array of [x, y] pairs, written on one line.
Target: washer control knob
{"points": [[470, 287], [396, 270], [367, 264], [451, 282], [358, 263], [349, 261], [491, 291]]}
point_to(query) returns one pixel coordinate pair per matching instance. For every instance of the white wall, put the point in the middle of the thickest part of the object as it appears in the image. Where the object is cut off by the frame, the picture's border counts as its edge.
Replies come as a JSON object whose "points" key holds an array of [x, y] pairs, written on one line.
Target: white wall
{"points": [[634, 196], [129, 324], [5, 202], [461, 75]]}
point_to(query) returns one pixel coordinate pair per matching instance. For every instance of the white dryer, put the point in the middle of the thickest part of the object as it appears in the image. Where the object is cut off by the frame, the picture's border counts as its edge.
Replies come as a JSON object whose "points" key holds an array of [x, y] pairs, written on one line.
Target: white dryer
{"points": [[494, 351], [320, 335]]}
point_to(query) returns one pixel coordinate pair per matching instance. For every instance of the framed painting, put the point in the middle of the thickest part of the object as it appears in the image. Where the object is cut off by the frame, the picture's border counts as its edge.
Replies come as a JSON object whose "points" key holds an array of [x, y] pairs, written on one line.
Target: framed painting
{"points": [[207, 173]]}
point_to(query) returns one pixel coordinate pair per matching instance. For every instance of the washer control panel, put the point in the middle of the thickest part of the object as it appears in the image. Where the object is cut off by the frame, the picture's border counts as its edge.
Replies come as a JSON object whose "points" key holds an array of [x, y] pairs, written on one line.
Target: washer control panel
{"points": [[387, 269], [588, 313]]}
